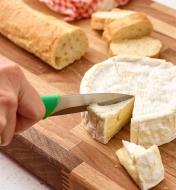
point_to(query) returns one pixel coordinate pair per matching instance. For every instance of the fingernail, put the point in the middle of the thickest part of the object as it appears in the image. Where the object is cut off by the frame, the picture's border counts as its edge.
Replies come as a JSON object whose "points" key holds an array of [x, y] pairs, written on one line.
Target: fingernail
{"points": [[1, 144]]}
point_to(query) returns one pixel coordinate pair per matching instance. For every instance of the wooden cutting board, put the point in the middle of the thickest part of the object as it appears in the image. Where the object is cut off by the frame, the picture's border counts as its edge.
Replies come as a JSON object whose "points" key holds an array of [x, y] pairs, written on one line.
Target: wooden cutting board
{"points": [[57, 149]]}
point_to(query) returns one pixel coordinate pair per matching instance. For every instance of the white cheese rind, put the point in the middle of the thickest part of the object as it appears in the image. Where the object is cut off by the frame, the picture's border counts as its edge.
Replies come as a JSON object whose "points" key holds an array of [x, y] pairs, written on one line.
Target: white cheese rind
{"points": [[103, 122], [155, 129], [143, 165], [152, 81]]}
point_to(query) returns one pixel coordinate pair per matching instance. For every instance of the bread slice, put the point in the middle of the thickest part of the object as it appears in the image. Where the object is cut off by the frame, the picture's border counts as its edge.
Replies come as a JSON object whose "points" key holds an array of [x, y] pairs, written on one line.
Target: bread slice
{"points": [[52, 40], [143, 165], [131, 27], [145, 46], [101, 19], [107, 5]]}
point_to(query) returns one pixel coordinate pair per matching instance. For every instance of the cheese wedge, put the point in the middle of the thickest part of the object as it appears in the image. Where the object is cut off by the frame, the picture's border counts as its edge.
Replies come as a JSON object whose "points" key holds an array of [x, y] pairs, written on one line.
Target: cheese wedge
{"points": [[152, 81], [143, 165], [103, 122]]}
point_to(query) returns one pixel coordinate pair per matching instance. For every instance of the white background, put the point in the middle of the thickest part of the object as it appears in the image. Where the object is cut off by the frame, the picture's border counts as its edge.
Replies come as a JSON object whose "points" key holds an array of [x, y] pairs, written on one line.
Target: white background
{"points": [[14, 177], [171, 3]]}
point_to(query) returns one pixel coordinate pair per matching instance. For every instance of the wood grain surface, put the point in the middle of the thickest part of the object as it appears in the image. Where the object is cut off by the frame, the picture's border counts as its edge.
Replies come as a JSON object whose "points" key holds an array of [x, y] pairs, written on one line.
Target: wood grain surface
{"points": [[58, 149]]}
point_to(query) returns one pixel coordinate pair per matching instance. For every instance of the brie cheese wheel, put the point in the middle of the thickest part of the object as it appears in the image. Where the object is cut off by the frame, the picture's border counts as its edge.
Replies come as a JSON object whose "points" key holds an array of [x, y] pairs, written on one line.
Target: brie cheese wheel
{"points": [[152, 81], [143, 165]]}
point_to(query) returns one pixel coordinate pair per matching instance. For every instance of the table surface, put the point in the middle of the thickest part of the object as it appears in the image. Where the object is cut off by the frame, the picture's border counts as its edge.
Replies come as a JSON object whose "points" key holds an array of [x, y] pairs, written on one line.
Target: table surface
{"points": [[14, 177]]}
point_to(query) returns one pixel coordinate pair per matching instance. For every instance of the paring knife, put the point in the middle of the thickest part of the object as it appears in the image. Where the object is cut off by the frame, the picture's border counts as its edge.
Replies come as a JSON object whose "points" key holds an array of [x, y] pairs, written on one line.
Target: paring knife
{"points": [[66, 104]]}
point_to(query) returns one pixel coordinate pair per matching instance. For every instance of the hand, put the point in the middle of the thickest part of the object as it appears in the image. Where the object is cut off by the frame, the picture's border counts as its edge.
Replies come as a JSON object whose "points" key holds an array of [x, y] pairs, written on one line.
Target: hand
{"points": [[20, 104]]}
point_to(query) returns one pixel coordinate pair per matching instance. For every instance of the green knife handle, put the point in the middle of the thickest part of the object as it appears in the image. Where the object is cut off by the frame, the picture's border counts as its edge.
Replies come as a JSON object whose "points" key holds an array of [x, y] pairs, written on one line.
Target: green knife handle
{"points": [[50, 103]]}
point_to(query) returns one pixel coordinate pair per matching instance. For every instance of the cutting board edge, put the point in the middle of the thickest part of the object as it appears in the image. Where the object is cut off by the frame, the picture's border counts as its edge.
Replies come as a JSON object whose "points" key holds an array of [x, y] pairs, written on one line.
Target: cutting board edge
{"points": [[43, 165]]}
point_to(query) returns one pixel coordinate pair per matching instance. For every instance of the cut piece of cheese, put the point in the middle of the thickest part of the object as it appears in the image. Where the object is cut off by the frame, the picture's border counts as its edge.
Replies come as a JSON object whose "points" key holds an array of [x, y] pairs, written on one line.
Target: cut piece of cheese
{"points": [[152, 81], [103, 122], [100, 19], [145, 46], [143, 165]]}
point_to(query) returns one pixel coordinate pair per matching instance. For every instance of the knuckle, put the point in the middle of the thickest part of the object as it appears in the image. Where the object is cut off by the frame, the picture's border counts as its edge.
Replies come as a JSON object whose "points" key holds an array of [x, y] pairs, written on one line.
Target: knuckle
{"points": [[13, 72], [16, 71], [12, 102], [13, 68], [9, 100]]}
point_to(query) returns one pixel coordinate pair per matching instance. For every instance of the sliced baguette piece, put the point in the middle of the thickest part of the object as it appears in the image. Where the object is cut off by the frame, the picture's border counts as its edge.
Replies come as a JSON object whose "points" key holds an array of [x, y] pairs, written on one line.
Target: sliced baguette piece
{"points": [[107, 5], [52, 40], [131, 27], [143, 165], [101, 19], [145, 46]]}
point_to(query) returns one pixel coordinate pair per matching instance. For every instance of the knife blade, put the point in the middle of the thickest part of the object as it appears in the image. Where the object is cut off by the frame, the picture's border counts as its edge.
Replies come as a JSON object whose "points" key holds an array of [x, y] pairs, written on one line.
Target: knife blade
{"points": [[67, 104]]}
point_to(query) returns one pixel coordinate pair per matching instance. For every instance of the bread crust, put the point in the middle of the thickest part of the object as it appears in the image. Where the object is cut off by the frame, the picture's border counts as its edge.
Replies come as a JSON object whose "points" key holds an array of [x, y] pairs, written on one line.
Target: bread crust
{"points": [[130, 27], [40, 34], [145, 46], [101, 19]]}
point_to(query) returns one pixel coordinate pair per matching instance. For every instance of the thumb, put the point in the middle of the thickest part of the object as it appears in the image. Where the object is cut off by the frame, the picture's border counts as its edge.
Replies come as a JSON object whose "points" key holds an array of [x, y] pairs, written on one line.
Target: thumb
{"points": [[30, 107]]}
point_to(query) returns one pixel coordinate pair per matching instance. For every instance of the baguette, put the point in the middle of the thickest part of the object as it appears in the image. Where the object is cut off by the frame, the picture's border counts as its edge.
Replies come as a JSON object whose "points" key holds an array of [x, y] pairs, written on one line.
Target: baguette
{"points": [[100, 20], [145, 46], [133, 26], [55, 42]]}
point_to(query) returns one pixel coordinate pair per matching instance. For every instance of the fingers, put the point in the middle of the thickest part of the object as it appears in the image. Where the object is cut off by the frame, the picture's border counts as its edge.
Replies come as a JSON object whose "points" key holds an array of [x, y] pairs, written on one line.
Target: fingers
{"points": [[20, 104], [10, 75], [30, 108], [8, 107], [3, 122], [9, 128]]}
